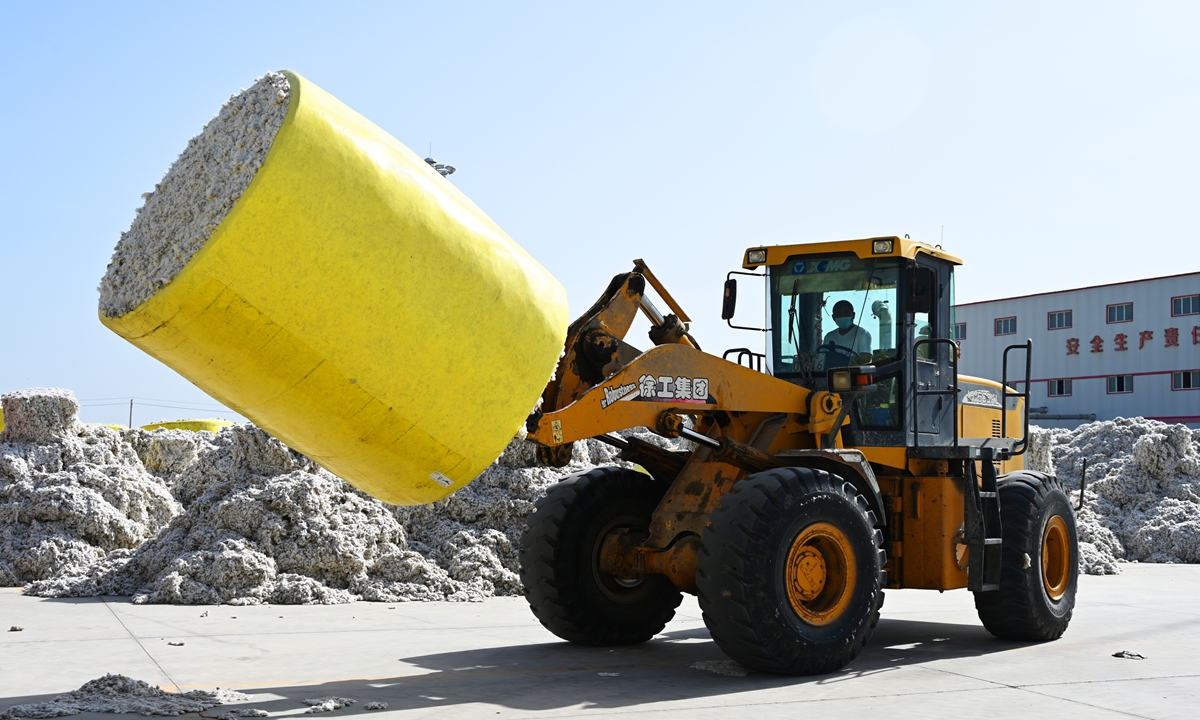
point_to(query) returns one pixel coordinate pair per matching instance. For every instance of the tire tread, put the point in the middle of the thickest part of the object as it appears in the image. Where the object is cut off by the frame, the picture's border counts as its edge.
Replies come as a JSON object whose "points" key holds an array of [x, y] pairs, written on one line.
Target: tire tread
{"points": [[1019, 610]]}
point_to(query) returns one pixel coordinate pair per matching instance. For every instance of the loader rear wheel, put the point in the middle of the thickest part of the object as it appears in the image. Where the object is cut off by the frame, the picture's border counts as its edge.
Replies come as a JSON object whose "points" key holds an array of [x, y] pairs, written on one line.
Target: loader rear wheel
{"points": [[560, 560], [1039, 561], [790, 575]]}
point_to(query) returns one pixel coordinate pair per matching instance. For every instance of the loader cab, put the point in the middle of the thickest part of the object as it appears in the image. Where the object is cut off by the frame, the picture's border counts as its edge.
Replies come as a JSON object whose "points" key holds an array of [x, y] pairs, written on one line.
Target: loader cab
{"points": [[886, 302]]}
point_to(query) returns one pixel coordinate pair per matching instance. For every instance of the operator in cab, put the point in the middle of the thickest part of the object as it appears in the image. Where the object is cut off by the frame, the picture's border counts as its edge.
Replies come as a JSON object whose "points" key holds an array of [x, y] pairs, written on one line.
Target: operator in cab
{"points": [[847, 339]]}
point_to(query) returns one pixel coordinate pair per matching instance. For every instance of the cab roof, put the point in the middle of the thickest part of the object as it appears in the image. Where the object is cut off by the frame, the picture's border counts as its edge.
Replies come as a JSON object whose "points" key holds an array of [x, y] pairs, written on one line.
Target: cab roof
{"points": [[865, 248]]}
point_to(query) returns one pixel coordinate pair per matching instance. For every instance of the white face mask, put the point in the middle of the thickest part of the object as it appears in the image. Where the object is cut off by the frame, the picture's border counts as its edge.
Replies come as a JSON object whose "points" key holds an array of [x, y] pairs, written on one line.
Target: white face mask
{"points": [[844, 322]]}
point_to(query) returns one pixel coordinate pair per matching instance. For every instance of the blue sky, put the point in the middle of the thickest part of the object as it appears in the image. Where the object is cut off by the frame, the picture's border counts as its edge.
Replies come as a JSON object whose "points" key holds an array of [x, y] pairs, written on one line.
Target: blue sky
{"points": [[1055, 143]]}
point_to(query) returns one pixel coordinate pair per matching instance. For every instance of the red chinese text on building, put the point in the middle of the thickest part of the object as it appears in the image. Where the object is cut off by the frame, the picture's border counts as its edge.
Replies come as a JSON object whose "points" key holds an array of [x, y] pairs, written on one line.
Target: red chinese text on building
{"points": [[1120, 341], [1097, 344], [1171, 337], [1196, 335], [1073, 343], [1144, 337]]}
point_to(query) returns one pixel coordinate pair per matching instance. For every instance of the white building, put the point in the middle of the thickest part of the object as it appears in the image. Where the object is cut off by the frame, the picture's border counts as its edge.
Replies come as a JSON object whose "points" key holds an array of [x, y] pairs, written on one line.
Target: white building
{"points": [[1118, 350]]}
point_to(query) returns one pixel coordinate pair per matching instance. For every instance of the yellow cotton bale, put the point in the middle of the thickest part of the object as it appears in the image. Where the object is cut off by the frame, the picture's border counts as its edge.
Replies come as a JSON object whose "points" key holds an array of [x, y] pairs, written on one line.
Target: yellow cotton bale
{"points": [[357, 306]]}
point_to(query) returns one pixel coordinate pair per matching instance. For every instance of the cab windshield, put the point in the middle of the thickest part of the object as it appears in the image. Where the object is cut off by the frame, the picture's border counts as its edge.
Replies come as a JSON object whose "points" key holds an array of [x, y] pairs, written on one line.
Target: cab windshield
{"points": [[832, 311]]}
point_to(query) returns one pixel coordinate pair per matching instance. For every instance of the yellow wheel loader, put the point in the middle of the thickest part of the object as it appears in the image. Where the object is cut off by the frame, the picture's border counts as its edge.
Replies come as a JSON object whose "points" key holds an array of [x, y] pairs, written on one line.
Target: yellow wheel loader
{"points": [[847, 458]]}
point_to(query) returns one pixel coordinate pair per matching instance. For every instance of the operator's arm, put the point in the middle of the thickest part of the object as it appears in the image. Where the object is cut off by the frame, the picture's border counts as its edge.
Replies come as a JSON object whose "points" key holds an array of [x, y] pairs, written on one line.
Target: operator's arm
{"points": [[862, 343]]}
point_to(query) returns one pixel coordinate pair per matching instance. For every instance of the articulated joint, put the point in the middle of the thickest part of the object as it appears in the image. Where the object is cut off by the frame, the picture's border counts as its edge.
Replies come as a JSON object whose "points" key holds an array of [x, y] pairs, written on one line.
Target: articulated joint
{"points": [[622, 556]]}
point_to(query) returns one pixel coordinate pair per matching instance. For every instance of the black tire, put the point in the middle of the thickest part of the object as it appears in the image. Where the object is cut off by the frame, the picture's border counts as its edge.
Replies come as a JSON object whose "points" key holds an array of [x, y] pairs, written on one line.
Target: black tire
{"points": [[1023, 608], [744, 562], [560, 550]]}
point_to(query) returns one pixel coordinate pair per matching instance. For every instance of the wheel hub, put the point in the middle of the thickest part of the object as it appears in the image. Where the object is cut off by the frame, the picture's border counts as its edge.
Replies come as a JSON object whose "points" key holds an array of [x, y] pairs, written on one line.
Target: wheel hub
{"points": [[809, 576], [1056, 558], [819, 575]]}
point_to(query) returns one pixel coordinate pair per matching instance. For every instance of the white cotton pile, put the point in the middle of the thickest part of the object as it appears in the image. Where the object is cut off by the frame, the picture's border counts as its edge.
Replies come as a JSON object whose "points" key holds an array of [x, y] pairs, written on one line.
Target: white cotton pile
{"points": [[1142, 501], [197, 192], [264, 524], [71, 495], [261, 524], [167, 454]]}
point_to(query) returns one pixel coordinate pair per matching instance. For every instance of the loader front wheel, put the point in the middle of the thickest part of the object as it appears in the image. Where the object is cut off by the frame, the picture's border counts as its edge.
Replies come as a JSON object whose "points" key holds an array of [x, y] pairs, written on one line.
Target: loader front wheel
{"points": [[790, 575], [560, 560], [1039, 567]]}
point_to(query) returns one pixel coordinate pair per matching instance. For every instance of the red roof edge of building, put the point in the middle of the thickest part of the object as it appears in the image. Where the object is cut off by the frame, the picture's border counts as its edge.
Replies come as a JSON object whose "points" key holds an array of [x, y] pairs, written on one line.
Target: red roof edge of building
{"points": [[1086, 287], [1177, 419]]}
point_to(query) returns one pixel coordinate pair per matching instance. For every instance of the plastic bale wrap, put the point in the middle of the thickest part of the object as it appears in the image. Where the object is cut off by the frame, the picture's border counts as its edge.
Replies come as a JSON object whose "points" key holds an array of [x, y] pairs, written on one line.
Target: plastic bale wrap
{"points": [[358, 307]]}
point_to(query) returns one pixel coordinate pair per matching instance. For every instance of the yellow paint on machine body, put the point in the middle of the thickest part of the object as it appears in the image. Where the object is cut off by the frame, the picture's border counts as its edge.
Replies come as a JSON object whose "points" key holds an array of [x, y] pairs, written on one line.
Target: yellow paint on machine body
{"points": [[358, 307]]}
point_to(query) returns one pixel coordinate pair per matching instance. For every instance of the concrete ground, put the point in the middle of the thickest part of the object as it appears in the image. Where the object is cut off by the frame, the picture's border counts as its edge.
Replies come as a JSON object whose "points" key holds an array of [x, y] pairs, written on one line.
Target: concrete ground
{"points": [[929, 657]]}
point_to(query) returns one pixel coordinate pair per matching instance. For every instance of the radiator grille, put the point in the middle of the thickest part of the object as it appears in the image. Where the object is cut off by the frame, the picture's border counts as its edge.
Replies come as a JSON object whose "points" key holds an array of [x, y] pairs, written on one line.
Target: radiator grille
{"points": [[995, 428]]}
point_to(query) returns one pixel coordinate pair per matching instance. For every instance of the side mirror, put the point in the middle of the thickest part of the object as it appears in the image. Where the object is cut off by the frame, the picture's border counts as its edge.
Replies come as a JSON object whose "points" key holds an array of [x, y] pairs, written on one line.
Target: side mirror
{"points": [[921, 284], [730, 301]]}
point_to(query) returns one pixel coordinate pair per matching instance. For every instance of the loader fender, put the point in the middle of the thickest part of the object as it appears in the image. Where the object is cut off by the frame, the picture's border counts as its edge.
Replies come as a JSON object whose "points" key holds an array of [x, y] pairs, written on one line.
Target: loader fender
{"points": [[850, 465]]}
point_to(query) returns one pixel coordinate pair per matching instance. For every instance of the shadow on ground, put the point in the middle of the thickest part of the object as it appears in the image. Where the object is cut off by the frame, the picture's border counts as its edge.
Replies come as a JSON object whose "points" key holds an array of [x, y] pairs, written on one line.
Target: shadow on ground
{"points": [[551, 676]]}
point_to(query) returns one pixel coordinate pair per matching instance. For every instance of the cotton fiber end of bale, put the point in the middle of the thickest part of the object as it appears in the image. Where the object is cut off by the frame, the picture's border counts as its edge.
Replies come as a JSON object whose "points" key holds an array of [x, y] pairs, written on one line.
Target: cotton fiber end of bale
{"points": [[39, 415], [195, 195]]}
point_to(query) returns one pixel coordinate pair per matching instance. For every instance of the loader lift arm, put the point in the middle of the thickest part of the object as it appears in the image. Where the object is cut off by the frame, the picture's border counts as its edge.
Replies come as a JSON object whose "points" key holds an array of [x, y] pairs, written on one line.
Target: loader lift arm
{"points": [[595, 345]]}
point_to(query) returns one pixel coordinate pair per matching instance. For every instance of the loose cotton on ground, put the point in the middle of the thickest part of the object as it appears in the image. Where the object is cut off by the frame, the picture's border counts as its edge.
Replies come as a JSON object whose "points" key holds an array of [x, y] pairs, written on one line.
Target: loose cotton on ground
{"points": [[121, 694]]}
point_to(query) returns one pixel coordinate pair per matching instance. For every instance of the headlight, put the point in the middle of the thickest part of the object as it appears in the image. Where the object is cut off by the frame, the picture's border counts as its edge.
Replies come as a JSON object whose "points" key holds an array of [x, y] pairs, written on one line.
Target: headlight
{"points": [[883, 247], [755, 257], [841, 381]]}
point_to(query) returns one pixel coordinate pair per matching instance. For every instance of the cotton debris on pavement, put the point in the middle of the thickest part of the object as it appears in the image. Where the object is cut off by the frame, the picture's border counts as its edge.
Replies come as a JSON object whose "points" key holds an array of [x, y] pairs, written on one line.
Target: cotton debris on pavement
{"points": [[327, 704], [121, 694]]}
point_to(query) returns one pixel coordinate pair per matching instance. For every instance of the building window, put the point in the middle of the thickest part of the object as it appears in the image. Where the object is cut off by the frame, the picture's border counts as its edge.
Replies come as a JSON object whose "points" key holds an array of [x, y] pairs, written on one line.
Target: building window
{"points": [[1058, 388], [1186, 305], [1120, 384], [960, 331], [1186, 380], [1006, 326], [1058, 320], [1119, 313]]}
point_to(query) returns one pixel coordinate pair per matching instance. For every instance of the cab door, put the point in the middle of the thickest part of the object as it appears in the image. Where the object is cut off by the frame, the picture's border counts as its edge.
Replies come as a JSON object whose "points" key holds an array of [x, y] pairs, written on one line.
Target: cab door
{"points": [[930, 403]]}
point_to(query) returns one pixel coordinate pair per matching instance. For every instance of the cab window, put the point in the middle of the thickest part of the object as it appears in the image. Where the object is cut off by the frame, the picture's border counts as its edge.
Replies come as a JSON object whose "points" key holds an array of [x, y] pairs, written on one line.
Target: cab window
{"points": [[831, 312]]}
